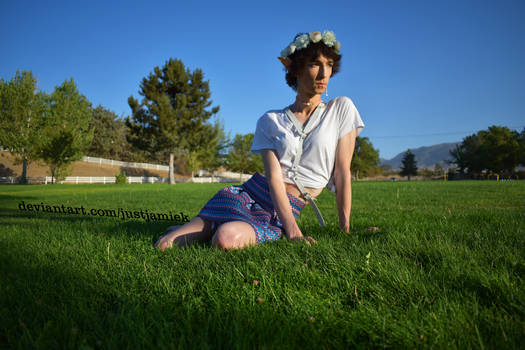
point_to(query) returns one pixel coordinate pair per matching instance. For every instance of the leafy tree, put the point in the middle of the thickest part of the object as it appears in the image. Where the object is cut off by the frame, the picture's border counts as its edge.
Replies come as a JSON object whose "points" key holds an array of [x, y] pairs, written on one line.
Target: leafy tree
{"points": [[501, 148], [212, 156], [109, 135], [409, 166], [172, 117], [468, 156], [438, 170], [386, 169], [203, 153], [497, 149], [21, 117], [241, 159], [67, 132], [458, 158], [365, 157], [426, 173]]}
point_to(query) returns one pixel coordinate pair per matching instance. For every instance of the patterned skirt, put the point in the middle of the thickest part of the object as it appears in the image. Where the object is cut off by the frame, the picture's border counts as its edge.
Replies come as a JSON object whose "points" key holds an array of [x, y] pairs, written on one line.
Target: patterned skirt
{"points": [[251, 203]]}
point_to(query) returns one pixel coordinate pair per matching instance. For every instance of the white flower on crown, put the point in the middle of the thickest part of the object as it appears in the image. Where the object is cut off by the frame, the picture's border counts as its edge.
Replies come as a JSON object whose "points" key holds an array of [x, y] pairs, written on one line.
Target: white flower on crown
{"points": [[337, 46], [315, 37], [302, 41], [288, 50], [329, 38]]}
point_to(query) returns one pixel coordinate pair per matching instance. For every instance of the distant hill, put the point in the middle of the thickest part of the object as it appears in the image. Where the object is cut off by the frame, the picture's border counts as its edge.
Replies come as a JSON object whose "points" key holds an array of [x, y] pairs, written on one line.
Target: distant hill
{"points": [[426, 157]]}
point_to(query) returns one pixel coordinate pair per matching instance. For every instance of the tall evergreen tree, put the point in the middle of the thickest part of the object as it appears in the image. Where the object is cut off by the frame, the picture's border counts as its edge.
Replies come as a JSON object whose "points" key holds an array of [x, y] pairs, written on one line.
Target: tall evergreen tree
{"points": [[172, 117], [21, 117], [409, 166], [67, 133]]}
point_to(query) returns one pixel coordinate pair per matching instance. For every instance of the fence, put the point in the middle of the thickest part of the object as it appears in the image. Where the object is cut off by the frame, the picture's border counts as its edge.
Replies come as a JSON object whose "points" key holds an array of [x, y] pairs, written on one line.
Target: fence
{"points": [[125, 164], [227, 176], [205, 177], [108, 179], [89, 180], [111, 180], [8, 180]]}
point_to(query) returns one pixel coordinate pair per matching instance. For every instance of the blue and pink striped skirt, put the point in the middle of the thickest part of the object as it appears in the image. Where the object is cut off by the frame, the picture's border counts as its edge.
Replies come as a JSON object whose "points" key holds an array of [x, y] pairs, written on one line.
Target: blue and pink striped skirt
{"points": [[251, 203]]}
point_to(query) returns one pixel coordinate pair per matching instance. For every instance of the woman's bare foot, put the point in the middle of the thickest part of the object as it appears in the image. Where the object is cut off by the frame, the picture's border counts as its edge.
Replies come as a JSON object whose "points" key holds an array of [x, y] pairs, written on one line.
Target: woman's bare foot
{"points": [[197, 230]]}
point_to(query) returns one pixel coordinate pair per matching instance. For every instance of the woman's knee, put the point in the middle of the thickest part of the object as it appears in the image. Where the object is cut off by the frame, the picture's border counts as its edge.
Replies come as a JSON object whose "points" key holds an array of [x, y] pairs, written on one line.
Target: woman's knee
{"points": [[233, 235]]}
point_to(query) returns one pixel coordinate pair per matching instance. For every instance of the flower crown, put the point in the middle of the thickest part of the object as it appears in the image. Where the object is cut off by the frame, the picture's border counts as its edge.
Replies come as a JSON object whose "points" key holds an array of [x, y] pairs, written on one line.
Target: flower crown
{"points": [[303, 40]]}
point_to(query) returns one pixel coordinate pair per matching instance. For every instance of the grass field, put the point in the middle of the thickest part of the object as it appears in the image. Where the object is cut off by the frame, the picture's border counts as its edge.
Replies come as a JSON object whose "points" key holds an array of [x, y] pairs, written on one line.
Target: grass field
{"points": [[446, 270]]}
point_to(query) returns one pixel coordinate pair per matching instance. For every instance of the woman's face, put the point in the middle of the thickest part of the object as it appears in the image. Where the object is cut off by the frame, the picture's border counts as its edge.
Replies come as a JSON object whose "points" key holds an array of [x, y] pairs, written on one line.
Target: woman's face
{"points": [[313, 78]]}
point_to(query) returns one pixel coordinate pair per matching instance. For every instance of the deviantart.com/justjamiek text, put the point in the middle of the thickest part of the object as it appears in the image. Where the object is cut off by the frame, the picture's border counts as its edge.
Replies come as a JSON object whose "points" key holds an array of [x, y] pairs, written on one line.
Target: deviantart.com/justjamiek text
{"points": [[113, 213]]}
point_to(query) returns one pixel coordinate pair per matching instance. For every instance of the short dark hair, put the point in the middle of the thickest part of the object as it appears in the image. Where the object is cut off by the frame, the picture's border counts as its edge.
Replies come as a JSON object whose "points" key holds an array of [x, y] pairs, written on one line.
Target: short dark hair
{"points": [[300, 58]]}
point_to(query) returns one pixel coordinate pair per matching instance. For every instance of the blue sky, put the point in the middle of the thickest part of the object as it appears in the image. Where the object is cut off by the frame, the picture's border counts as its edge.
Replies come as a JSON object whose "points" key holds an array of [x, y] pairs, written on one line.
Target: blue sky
{"points": [[420, 72]]}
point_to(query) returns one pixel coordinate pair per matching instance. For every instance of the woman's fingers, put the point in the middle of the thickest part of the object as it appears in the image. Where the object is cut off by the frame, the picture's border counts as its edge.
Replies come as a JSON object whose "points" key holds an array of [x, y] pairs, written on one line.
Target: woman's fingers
{"points": [[306, 239], [310, 240], [163, 242], [164, 245]]}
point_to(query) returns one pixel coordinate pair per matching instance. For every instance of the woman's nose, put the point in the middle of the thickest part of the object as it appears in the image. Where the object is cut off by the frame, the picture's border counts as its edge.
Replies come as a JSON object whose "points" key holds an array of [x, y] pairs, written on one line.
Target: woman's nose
{"points": [[322, 72]]}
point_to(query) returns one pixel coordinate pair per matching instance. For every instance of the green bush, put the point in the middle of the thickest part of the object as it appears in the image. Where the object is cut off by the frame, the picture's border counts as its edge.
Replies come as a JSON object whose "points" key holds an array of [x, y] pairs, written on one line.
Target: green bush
{"points": [[121, 178]]}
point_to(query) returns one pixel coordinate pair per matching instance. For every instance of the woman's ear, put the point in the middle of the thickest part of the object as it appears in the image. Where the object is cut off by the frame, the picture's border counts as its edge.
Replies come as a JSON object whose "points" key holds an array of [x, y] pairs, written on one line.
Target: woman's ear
{"points": [[286, 62]]}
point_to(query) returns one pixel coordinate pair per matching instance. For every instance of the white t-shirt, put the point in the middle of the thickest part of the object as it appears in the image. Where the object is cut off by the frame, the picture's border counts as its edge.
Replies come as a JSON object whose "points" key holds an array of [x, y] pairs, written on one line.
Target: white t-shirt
{"points": [[275, 131]]}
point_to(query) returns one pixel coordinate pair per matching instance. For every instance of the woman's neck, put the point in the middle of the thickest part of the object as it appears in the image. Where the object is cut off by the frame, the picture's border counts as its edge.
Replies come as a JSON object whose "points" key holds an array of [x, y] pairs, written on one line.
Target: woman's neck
{"points": [[305, 104]]}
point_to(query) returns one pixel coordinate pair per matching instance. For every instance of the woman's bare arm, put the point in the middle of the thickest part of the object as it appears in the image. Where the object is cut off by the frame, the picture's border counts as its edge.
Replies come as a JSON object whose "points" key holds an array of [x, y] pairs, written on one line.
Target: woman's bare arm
{"points": [[342, 178], [280, 200]]}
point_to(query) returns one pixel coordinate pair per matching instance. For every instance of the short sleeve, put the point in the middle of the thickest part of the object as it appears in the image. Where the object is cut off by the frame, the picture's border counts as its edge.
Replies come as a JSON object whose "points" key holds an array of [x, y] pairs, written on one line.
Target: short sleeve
{"points": [[261, 138], [349, 118]]}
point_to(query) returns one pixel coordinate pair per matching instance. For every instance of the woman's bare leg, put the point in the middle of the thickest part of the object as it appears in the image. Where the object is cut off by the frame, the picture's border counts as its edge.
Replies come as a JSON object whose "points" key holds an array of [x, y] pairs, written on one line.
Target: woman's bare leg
{"points": [[197, 230], [234, 235]]}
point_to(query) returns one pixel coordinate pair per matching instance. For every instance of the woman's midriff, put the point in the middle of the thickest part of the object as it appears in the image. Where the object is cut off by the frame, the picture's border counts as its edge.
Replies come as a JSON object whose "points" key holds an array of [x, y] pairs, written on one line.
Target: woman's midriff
{"points": [[294, 191]]}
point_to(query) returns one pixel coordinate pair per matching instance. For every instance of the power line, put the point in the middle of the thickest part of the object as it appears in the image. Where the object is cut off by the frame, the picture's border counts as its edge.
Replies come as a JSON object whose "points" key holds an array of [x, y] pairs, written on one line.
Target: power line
{"points": [[436, 134]]}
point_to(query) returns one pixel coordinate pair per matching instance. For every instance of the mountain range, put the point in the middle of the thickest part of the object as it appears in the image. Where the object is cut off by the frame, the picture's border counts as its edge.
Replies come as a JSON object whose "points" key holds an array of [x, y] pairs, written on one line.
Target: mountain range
{"points": [[426, 157]]}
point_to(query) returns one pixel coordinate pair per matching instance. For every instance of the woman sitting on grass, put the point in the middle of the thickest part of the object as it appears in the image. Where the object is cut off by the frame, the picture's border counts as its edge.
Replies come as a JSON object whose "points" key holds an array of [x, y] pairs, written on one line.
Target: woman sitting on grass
{"points": [[304, 147]]}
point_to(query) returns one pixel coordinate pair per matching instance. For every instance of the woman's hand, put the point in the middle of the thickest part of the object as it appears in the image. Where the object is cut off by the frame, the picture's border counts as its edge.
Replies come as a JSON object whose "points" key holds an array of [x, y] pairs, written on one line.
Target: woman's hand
{"points": [[297, 236], [164, 242], [309, 240]]}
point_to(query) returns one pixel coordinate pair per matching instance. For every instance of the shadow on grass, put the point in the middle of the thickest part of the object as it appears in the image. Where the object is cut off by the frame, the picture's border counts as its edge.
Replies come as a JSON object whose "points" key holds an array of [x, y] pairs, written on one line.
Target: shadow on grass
{"points": [[50, 304], [111, 226], [6, 198]]}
